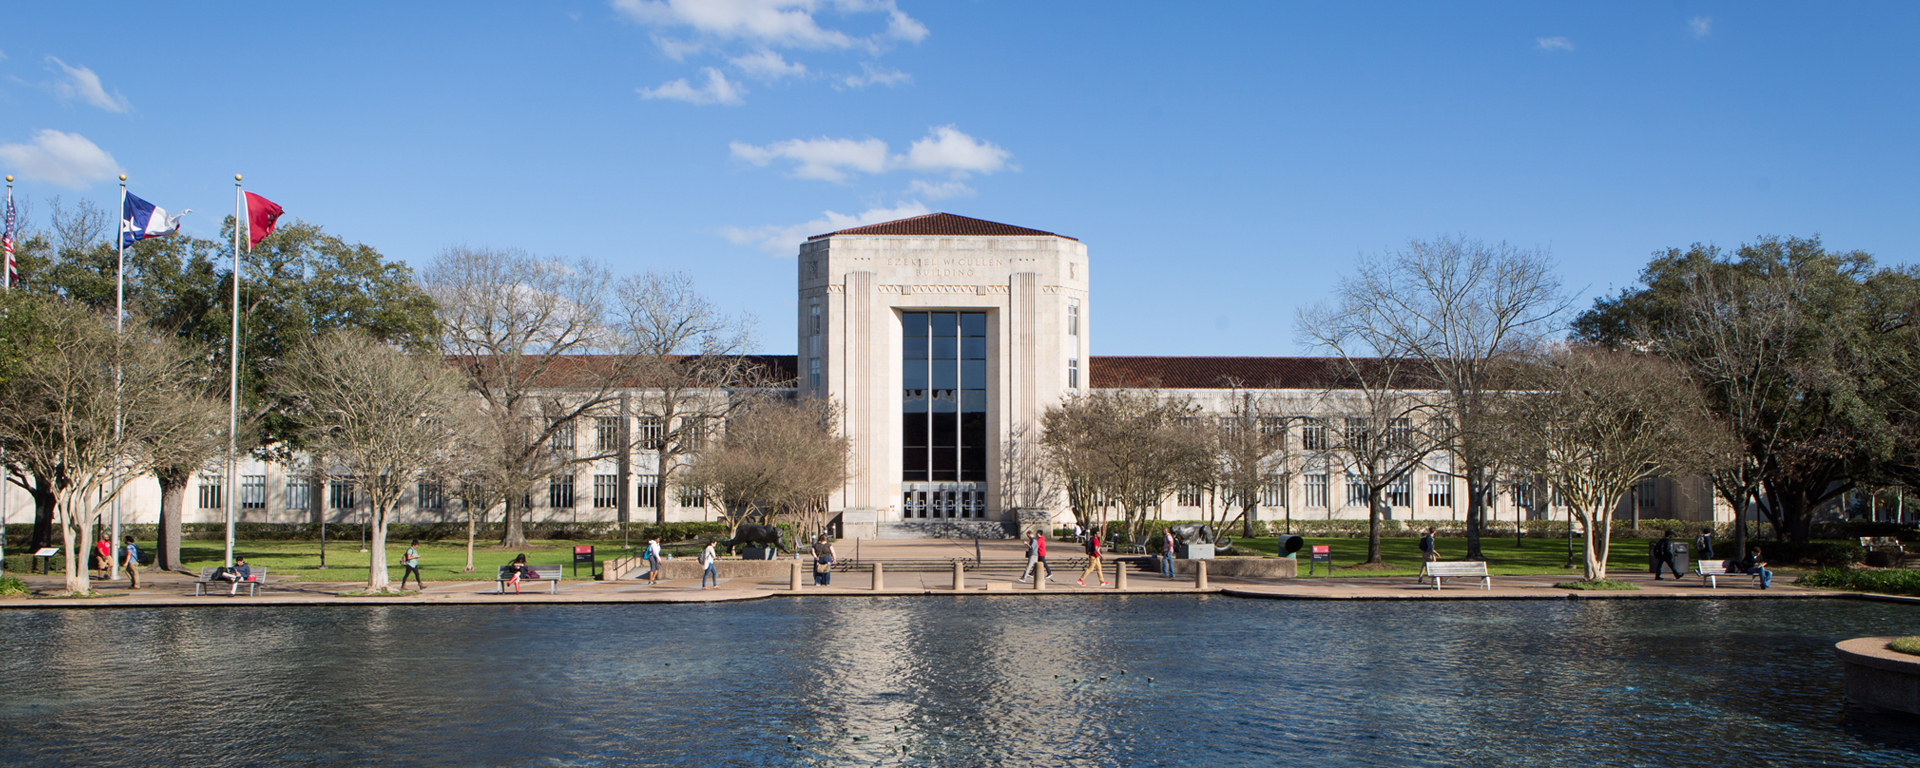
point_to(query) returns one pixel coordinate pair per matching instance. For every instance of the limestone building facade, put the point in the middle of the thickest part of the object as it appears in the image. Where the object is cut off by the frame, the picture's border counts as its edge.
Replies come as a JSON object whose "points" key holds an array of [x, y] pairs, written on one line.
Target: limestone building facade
{"points": [[944, 339]]}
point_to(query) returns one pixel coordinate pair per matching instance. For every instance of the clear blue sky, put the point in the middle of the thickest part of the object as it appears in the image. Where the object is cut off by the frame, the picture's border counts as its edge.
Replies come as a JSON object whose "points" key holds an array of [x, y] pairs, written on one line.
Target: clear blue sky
{"points": [[1223, 163]]}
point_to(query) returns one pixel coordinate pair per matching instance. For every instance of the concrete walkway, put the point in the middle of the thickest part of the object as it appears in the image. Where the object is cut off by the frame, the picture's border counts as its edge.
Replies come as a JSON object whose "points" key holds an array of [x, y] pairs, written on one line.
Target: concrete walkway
{"points": [[173, 589]]}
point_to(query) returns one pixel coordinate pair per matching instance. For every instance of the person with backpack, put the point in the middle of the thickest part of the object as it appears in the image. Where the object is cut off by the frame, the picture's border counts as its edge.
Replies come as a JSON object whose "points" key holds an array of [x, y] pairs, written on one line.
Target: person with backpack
{"points": [[1094, 561], [707, 559], [411, 562], [1705, 545]]}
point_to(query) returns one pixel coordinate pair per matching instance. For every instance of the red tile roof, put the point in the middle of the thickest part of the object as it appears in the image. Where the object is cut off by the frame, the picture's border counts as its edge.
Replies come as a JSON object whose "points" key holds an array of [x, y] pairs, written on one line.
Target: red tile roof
{"points": [[1129, 372], [943, 225]]}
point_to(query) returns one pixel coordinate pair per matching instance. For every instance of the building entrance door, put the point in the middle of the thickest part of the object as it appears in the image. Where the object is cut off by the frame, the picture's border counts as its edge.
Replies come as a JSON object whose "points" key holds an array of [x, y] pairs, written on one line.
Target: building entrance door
{"points": [[940, 501]]}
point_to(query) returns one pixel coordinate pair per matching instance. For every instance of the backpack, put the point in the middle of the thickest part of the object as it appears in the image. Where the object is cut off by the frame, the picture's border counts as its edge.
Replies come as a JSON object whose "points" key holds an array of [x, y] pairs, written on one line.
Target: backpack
{"points": [[1093, 546]]}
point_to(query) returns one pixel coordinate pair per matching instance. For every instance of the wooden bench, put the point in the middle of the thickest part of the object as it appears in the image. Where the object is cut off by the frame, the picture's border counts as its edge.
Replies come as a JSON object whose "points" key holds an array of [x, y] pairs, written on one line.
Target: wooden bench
{"points": [[1462, 569], [1710, 571], [255, 577], [551, 574]]}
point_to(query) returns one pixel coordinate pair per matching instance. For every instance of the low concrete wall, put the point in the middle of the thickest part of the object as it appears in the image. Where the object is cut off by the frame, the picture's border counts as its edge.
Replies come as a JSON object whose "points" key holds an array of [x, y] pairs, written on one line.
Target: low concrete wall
{"points": [[1878, 677], [1242, 567], [689, 568]]}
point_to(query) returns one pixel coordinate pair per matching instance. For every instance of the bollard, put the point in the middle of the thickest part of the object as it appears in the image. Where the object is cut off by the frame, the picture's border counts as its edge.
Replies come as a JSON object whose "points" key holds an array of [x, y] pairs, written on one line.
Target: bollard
{"points": [[1200, 574], [1119, 573], [879, 576], [959, 575], [1040, 577], [796, 576]]}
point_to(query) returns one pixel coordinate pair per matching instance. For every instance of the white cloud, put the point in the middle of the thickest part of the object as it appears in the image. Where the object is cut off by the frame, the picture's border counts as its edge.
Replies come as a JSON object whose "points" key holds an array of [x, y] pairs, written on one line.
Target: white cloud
{"points": [[871, 75], [939, 191], [772, 23], [944, 150], [768, 64], [1554, 43], [785, 241], [1700, 26], [821, 158], [64, 159], [947, 149], [81, 83], [718, 90]]}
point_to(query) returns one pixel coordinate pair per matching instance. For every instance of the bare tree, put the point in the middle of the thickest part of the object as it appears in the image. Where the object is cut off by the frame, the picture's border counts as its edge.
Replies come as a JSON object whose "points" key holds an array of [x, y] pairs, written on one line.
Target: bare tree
{"points": [[1249, 444], [68, 420], [1592, 422], [517, 328], [387, 417], [1463, 308], [1027, 487], [686, 352], [1132, 447], [776, 459], [1383, 421]]}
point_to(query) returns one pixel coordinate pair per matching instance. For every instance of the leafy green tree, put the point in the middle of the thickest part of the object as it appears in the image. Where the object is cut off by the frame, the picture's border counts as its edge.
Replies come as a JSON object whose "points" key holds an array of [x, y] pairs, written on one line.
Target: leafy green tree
{"points": [[297, 283], [1791, 343]]}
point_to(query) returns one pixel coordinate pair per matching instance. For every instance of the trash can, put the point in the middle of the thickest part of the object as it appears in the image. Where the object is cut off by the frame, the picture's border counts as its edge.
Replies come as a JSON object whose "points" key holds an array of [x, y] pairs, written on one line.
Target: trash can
{"points": [[1679, 551]]}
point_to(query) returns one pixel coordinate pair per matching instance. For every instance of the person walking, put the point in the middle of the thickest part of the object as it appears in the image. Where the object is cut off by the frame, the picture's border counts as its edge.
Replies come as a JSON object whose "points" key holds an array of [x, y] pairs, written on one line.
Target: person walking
{"points": [[1705, 545], [1094, 561], [132, 564], [1166, 554], [1663, 555], [707, 559], [1428, 551], [823, 559], [653, 561], [1037, 557], [411, 562]]}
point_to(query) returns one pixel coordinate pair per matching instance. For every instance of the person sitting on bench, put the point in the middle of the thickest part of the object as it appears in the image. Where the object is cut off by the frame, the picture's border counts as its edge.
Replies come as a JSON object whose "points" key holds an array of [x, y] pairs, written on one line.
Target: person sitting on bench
{"points": [[1758, 567], [236, 573], [517, 569]]}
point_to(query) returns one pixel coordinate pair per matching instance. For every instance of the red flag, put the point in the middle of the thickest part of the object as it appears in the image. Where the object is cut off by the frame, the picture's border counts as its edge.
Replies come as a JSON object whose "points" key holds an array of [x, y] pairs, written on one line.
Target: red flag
{"points": [[261, 214]]}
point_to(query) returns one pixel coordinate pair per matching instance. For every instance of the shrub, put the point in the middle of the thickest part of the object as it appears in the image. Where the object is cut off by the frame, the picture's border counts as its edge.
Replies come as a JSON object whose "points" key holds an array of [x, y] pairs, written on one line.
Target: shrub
{"points": [[1909, 644], [1597, 584], [12, 585], [1897, 582], [1826, 554]]}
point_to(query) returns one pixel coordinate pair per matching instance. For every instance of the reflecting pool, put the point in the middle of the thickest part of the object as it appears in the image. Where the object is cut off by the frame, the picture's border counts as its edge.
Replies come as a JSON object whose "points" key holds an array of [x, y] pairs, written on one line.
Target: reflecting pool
{"points": [[1121, 681]]}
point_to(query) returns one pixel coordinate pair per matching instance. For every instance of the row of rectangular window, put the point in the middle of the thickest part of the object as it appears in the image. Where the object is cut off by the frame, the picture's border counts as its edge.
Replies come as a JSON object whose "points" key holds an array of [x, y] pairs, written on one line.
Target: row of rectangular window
{"points": [[431, 495]]}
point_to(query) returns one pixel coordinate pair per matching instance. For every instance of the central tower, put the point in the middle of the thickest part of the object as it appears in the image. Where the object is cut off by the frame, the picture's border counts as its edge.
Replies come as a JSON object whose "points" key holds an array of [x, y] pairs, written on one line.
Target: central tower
{"points": [[944, 339]]}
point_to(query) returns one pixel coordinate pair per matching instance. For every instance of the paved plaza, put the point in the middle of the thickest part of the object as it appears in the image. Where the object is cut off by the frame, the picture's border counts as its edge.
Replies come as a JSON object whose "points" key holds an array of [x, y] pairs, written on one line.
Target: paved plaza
{"points": [[174, 589]]}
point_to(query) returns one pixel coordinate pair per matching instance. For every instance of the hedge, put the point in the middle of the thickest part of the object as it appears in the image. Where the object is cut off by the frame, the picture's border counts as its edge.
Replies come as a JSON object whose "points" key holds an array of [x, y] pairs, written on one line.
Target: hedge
{"points": [[1891, 582]]}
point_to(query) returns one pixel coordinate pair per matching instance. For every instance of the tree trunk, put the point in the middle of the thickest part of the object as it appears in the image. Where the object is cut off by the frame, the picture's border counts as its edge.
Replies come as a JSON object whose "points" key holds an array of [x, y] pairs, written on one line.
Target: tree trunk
{"points": [[73, 535], [173, 493], [1595, 546], [44, 503], [515, 534], [1246, 520], [1373, 525], [471, 529], [1476, 510], [377, 578]]}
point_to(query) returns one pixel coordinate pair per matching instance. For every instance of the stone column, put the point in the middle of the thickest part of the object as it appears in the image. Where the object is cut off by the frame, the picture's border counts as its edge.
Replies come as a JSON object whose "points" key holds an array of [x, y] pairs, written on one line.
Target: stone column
{"points": [[959, 575], [1200, 574], [879, 576], [795, 586], [1119, 573]]}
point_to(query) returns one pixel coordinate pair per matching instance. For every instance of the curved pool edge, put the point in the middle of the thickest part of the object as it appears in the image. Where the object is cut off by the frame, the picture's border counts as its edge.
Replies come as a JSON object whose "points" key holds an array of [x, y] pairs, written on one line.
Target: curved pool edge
{"points": [[1878, 677]]}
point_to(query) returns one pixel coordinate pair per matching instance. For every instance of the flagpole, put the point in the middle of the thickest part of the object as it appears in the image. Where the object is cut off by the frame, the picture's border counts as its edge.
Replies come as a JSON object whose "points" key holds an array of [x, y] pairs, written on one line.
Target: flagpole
{"points": [[233, 377], [6, 267], [119, 315]]}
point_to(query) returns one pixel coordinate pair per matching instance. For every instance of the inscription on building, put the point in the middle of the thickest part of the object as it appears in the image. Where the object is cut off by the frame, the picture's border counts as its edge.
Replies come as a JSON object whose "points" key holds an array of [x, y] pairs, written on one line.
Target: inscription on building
{"points": [[946, 267]]}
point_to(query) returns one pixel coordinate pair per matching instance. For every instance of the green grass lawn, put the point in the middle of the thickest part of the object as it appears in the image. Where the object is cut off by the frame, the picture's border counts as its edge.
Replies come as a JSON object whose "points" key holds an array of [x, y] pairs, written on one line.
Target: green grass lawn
{"points": [[1529, 558], [439, 561]]}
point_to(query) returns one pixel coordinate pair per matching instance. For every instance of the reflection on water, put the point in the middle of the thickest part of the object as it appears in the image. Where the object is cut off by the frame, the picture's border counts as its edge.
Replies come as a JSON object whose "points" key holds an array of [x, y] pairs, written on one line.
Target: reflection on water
{"points": [[1123, 681]]}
